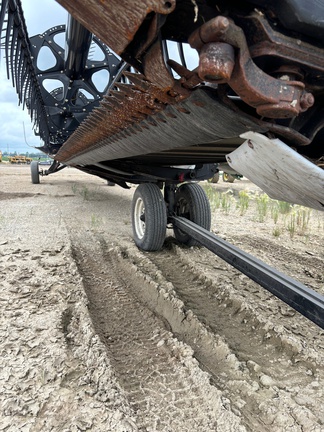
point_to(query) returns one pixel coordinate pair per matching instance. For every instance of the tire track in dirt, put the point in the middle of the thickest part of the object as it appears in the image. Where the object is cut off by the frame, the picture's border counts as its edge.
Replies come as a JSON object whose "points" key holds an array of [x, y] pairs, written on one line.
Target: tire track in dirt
{"points": [[261, 375], [298, 335], [165, 386], [309, 268]]}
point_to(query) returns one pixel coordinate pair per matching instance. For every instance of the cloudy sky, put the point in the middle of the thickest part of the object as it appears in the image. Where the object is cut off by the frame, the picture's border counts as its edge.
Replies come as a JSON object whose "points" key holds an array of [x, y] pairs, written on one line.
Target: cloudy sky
{"points": [[40, 15]]}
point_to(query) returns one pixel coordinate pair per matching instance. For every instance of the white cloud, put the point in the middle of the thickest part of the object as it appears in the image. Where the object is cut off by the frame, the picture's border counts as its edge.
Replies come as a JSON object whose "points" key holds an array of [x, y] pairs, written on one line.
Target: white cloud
{"points": [[14, 120], [41, 15]]}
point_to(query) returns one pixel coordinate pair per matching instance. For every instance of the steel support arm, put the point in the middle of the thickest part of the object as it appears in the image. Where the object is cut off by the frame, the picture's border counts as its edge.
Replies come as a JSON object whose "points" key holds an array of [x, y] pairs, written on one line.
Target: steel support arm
{"points": [[301, 298], [78, 41]]}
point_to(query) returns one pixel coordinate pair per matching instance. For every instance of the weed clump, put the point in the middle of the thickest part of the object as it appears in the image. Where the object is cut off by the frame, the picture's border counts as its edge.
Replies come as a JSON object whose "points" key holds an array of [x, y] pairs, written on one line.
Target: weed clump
{"points": [[286, 217], [243, 202], [262, 206]]}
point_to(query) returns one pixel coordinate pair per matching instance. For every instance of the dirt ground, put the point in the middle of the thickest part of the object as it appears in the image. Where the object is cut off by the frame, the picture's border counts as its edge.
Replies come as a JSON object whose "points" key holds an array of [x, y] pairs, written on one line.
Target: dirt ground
{"points": [[97, 335]]}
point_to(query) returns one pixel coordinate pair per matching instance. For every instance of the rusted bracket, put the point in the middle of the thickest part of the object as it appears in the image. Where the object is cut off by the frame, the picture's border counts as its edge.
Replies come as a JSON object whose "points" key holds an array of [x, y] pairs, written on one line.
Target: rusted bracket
{"points": [[264, 41], [225, 58], [118, 28]]}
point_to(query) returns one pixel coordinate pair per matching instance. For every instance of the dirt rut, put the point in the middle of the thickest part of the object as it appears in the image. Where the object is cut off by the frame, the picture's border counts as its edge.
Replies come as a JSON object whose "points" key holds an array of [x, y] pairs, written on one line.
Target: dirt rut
{"points": [[164, 384], [137, 299], [174, 341]]}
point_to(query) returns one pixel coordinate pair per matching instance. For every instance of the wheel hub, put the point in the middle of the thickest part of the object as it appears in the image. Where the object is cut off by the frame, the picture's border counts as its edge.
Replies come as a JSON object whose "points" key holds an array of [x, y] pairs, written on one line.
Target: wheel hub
{"points": [[139, 218]]}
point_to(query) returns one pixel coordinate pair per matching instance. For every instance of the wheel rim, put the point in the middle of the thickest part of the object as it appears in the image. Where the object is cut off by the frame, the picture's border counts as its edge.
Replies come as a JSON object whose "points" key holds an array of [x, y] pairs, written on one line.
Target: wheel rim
{"points": [[183, 208], [191, 202], [139, 218]]}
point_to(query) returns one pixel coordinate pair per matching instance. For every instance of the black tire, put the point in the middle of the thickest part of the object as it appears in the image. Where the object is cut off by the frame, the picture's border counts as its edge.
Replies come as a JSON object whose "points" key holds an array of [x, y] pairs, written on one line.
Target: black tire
{"points": [[192, 203], [214, 179], [149, 217], [228, 178], [34, 169]]}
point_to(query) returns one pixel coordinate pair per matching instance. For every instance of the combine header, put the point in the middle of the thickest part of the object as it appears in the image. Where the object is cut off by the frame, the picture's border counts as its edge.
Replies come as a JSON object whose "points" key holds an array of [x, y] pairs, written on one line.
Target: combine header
{"points": [[119, 99]]}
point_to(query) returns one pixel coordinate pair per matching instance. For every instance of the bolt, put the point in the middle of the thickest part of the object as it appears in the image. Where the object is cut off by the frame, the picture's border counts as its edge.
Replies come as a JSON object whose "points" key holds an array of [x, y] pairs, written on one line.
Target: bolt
{"points": [[306, 101], [223, 22], [229, 160], [250, 144]]}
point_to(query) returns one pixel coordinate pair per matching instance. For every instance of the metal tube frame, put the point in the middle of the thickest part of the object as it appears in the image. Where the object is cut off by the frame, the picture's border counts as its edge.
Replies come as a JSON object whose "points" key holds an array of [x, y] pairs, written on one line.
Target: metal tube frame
{"points": [[301, 298]]}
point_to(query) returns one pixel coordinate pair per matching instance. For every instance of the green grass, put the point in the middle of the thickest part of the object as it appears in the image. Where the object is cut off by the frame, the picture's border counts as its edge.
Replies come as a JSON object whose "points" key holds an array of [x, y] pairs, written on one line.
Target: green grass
{"points": [[95, 222], [243, 202], [83, 191], [74, 188], [276, 232], [282, 217], [262, 201], [283, 207], [227, 200]]}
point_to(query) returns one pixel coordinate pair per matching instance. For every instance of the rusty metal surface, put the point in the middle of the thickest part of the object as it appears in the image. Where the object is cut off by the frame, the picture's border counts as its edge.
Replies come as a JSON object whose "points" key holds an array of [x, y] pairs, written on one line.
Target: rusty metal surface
{"points": [[148, 126], [216, 62], [118, 112], [157, 113], [155, 69], [265, 41], [141, 119], [287, 133], [116, 29], [272, 98]]}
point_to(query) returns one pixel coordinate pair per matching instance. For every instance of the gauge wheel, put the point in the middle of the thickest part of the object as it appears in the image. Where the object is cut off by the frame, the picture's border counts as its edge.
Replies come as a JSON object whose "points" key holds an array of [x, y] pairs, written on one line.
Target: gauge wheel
{"points": [[228, 178], [149, 217], [191, 202], [34, 170]]}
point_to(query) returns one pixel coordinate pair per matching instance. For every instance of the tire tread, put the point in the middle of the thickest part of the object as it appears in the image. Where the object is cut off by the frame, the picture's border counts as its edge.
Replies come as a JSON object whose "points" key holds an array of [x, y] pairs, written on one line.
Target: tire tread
{"points": [[200, 210], [156, 222]]}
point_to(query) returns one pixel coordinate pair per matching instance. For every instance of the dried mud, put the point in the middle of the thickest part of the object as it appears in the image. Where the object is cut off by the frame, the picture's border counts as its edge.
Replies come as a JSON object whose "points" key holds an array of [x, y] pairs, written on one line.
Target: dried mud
{"points": [[97, 335]]}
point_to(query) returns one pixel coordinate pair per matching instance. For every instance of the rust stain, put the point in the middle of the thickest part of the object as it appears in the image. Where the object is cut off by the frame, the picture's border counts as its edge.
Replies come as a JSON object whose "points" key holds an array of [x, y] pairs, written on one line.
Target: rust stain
{"points": [[120, 112], [272, 97], [117, 30]]}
